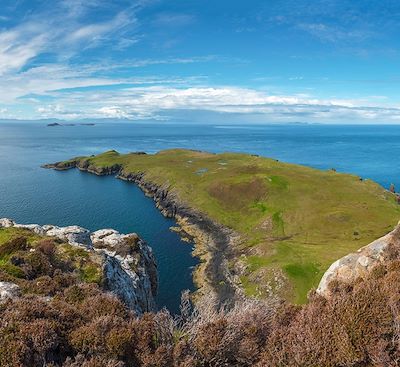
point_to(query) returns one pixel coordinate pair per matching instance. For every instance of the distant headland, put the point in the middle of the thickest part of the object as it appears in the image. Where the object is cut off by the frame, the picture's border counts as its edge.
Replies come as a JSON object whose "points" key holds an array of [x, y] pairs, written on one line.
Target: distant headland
{"points": [[54, 124]]}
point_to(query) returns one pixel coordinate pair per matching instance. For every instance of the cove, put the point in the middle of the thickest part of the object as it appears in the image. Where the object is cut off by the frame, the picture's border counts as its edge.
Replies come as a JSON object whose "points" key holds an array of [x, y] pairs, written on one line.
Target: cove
{"points": [[74, 197], [101, 202]]}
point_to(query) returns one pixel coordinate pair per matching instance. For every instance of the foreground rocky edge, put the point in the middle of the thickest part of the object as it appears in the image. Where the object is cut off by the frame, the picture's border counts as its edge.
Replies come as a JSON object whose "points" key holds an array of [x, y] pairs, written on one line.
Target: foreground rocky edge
{"points": [[128, 266], [214, 242], [359, 265]]}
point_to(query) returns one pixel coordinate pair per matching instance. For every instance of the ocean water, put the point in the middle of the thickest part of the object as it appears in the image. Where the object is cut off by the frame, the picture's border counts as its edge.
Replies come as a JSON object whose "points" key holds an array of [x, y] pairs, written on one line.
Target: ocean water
{"points": [[30, 194]]}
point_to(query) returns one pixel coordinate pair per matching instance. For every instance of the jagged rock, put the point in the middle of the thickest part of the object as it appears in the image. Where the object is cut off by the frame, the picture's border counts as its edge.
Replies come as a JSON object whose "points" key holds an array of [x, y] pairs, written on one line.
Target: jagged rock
{"points": [[75, 235], [359, 264], [9, 291], [6, 223], [121, 276], [129, 266], [110, 238], [32, 227]]}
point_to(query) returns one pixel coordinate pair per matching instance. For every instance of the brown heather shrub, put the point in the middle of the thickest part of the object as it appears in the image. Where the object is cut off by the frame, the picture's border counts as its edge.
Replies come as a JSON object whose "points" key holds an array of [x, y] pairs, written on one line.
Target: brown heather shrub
{"points": [[107, 336], [81, 361], [75, 324], [233, 337], [14, 245], [47, 247], [106, 305]]}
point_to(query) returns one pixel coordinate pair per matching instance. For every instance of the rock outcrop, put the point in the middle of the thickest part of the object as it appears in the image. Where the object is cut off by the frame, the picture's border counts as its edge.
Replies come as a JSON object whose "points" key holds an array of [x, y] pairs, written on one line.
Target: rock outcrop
{"points": [[129, 267], [9, 291], [359, 264]]}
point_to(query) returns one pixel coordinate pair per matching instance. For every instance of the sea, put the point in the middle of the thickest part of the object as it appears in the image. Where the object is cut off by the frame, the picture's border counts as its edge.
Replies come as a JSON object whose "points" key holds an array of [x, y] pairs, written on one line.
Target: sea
{"points": [[31, 194]]}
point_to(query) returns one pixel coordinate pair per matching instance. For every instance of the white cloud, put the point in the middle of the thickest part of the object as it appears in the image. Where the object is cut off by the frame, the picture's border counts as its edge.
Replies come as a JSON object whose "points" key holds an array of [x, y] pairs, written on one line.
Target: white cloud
{"points": [[161, 102], [113, 112], [95, 31]]}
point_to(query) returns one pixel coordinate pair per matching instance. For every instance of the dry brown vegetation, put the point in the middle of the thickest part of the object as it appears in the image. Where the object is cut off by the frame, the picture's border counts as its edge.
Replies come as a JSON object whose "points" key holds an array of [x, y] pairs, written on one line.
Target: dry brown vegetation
{"points": [[238, 195], [71, 323]]}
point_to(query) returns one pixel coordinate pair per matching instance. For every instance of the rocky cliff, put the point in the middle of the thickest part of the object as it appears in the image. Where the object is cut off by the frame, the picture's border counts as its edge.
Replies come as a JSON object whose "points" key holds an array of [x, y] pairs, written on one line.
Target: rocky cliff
{"points": [[214, 242], [359, 264], [128, 265]]}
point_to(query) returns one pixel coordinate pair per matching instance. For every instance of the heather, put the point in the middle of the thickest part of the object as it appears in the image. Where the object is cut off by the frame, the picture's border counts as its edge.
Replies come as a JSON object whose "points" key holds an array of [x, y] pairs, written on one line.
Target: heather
{"points": [[64, 320]]}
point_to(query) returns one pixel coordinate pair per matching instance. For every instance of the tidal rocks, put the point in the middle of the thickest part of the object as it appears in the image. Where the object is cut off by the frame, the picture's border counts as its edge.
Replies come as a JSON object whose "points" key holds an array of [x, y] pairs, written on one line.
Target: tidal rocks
{"points": [[359, 264], [9, 291], [129, 267]]}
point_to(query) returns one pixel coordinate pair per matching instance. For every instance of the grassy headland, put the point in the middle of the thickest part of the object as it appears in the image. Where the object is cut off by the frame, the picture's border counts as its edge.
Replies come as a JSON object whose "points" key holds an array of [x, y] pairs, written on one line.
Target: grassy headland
{"points": [[293, 221]]}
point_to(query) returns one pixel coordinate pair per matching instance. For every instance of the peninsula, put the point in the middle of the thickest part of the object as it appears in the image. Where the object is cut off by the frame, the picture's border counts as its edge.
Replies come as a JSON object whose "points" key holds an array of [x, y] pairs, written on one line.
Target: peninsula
{"points": [[261, 227]]}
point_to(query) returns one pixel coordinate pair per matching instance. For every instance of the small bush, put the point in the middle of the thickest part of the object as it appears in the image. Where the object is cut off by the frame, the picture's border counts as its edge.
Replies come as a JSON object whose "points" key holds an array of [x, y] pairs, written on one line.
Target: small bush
{"points": [[13, 246]]}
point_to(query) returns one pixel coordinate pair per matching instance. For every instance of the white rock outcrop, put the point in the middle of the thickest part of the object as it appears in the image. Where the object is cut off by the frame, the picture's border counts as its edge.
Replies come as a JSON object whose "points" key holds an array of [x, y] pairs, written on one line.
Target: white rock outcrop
{"points": [[129, 266], [9, 291], [359, 264]]}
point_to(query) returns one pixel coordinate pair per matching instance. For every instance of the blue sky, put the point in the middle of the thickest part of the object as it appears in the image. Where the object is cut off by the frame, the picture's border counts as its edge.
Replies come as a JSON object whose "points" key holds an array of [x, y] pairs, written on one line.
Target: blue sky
{"points": [[251, 61]]}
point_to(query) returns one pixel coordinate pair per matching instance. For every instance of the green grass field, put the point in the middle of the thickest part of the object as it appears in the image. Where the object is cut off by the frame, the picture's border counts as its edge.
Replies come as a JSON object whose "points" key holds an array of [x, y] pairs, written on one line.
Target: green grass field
{"points": [[294, 221]]}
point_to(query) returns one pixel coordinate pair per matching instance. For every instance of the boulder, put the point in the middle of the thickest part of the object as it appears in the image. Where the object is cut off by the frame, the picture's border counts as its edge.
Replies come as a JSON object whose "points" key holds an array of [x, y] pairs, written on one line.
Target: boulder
{"points": [[75, 235], [359, 264], [6, 223], [9, 291]]}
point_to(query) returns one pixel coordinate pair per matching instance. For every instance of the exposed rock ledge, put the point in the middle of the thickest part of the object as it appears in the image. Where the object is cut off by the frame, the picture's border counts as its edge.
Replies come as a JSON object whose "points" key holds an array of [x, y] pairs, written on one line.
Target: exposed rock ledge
{"points": [[359, 264], [8, 291], [129, 267]]}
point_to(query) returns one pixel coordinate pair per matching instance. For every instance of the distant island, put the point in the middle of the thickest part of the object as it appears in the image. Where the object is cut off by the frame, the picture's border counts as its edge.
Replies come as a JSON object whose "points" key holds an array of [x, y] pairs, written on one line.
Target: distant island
{"points": [[261, 226], [53, 124]]}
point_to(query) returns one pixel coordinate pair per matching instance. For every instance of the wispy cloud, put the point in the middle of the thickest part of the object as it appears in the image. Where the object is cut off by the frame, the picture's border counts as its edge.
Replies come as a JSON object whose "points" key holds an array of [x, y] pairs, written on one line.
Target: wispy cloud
{"points": [[173, 19], [334, 33], [58, 33]]}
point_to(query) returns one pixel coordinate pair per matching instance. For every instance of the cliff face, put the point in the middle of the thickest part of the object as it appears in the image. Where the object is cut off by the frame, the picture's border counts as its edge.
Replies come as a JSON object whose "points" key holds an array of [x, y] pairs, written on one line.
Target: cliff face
{"points": [[359, 264], [128, 265], [214, 241]]}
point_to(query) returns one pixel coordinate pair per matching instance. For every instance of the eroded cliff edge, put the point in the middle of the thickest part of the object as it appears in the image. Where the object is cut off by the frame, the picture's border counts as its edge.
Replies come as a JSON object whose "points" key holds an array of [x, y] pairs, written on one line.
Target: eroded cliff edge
{"points": [[127, 263], [214, 242]]}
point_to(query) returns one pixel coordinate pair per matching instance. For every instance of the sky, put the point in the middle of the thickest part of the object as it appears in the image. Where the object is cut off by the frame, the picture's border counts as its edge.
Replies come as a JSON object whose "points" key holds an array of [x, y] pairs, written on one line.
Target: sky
{"points": [[220, 61]]}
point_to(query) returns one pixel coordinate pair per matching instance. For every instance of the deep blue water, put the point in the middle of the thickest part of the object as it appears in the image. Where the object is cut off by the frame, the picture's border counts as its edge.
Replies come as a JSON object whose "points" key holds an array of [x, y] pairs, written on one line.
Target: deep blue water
{"points": [[29, 193]]}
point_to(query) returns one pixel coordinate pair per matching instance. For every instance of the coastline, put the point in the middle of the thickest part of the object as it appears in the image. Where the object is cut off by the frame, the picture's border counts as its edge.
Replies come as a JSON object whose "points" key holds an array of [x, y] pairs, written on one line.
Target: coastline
{"points": [[213, 242]]}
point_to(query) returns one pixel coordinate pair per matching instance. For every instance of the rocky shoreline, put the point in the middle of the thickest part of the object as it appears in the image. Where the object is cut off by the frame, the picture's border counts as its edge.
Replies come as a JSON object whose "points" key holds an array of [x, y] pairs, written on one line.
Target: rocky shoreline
{"points": [[129, 269], [214, 243]]}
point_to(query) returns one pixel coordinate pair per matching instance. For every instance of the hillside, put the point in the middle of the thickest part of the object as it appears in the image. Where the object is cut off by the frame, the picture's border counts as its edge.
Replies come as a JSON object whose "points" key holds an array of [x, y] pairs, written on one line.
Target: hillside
{"points": [[42, 261], [55, 312], [291, 221]]}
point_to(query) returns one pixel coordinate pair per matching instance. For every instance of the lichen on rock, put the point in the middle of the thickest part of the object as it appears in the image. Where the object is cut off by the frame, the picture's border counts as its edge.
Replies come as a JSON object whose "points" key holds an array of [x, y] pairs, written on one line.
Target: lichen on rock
{"points": [[8, 291]]}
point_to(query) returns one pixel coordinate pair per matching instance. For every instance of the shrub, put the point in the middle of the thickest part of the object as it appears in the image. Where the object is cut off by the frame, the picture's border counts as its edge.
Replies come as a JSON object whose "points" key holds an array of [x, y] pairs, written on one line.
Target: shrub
{"points": [[106, 336], [13, 246]]}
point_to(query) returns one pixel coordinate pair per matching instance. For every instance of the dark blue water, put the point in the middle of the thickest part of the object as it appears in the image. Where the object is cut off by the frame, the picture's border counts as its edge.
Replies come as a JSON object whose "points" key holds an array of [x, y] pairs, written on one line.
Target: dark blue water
{"points": [[31, 194]]}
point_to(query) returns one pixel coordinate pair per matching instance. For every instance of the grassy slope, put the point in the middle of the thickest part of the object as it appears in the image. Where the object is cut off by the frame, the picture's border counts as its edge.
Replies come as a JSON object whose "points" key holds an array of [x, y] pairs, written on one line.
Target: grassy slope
{"points": [[293, 219]]}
